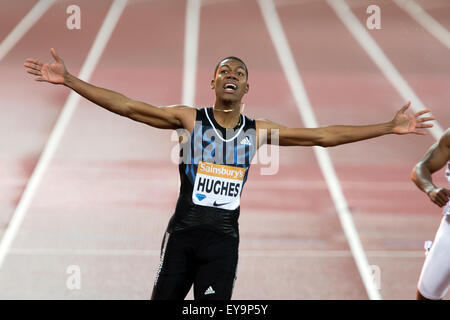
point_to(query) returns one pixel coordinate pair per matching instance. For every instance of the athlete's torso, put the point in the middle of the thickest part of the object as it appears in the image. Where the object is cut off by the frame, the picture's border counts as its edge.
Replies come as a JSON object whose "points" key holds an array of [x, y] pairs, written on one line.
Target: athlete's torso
{"points": [[214, 167]]}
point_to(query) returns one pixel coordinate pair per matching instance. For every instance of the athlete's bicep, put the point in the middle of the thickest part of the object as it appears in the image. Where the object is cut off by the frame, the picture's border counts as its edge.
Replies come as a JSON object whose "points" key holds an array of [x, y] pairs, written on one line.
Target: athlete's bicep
{"points": [[438, 155], [170, 117], [185, 116], [266, 131], [272, 133]]}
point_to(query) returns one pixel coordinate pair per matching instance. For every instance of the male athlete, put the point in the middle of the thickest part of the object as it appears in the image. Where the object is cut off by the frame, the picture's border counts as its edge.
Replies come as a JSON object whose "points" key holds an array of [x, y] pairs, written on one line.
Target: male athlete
{"points": [[200, 246], [434, 279]]}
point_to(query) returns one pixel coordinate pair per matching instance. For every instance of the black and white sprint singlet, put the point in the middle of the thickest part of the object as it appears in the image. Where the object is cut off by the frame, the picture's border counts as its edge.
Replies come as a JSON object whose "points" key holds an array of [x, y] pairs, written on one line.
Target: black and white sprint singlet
{"points": [[214, 167]]}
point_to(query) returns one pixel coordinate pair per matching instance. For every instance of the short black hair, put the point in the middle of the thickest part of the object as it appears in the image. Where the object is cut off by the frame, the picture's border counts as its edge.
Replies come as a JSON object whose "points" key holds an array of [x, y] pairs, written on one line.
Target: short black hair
{"points": [[231, 58]]}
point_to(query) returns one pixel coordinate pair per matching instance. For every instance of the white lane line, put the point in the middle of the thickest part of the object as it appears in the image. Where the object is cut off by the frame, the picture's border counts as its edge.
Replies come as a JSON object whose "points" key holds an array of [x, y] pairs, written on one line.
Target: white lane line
{"points": [[283, 3], [214, 2], [425, 20], [192, 25], [89, 65], [244, 253], [364, 38], [23, 26], [302, 101]]}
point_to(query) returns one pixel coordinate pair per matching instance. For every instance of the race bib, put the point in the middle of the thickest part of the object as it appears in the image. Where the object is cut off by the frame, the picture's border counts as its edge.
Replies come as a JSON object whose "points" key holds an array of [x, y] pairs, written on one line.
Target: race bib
{"points": [[218, 186]]}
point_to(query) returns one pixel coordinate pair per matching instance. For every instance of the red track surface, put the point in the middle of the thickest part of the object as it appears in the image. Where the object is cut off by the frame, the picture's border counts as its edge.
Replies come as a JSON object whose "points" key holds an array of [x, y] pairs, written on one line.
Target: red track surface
{"points": [[106, 199]]}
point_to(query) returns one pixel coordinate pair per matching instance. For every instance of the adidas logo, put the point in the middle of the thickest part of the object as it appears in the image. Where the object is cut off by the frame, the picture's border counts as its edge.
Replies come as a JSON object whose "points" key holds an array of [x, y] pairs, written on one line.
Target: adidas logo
{"points": [[209, 291], [246, 141]]}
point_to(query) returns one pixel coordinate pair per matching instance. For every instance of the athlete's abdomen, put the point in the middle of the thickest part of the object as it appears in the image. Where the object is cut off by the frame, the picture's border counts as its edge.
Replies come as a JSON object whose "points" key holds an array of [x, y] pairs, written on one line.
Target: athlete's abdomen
{"points": [[191, 216]]}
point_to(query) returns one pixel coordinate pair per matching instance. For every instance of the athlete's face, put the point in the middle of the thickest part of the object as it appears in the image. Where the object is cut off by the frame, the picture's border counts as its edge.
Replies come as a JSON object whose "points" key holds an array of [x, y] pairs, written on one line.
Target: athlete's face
{"points": [[230, 82]]}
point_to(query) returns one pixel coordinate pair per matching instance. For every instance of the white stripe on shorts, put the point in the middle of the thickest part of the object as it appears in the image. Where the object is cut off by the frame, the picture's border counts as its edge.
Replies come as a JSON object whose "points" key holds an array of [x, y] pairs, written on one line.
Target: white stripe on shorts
{"points": [[163, 252]]}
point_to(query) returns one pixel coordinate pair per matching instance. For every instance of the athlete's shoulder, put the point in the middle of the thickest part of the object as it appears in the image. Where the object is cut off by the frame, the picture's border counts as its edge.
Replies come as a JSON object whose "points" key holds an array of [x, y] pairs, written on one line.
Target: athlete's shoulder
{"points": [[446, 134], [444, 141], [249, 120], [185, 114], [268, 124], [181, 108]]}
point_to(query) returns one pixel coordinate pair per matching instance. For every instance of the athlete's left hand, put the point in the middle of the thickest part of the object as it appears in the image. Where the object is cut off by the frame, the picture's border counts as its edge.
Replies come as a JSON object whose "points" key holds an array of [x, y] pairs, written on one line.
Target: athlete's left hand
{"points": [[410, 123], [439, 196]]}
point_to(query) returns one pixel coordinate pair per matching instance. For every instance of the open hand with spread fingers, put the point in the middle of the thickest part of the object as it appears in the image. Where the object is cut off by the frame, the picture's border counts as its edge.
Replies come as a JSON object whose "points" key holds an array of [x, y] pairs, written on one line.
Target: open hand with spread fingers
{"points": [[47, 72], [411, 123]]}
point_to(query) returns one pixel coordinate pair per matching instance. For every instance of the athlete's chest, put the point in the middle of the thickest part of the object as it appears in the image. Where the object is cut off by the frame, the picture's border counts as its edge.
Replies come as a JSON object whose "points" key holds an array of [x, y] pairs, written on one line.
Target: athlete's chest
{"points": [[209, 142], [228, 148]]}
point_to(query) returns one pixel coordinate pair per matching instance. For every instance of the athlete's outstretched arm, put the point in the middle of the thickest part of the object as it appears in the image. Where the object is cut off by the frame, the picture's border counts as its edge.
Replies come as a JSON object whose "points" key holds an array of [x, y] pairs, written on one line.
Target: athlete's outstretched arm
{"points": [[435, 158], [160, 117], [336, 135]]}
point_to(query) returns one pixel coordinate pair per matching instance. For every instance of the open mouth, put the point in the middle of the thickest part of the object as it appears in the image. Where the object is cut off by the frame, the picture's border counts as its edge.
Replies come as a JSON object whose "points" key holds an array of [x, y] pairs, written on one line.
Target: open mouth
{"points": [[230, 87]]}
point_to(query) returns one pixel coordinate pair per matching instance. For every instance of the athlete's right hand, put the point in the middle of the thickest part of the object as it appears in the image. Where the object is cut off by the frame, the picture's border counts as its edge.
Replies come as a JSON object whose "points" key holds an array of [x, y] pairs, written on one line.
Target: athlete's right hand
{"points": [[439, 196], [47, 72]]}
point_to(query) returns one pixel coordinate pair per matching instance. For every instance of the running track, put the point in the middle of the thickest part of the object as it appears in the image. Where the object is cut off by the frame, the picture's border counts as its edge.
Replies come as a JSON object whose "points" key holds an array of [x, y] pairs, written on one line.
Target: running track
{"points": [[110, 188]]}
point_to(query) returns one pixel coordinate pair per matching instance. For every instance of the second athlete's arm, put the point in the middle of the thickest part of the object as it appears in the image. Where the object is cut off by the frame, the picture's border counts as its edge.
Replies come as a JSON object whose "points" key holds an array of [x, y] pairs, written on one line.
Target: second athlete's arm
{"points": [[436, 157]]}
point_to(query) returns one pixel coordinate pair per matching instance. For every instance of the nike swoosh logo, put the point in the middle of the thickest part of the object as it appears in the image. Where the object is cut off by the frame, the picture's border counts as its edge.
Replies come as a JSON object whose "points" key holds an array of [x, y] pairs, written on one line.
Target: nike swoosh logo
{"points": [[220, 204]]}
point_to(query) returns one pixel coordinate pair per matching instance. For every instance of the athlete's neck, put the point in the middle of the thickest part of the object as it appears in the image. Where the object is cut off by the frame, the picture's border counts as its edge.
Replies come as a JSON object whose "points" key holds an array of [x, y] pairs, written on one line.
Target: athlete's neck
{"points": [[227, 114]]}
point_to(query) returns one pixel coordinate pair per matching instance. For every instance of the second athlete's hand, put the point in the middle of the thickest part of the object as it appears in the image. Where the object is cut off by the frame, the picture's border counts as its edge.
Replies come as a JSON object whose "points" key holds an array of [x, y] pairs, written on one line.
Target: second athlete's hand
{"points": [[410, 123], [439, 196], [47, 72]]}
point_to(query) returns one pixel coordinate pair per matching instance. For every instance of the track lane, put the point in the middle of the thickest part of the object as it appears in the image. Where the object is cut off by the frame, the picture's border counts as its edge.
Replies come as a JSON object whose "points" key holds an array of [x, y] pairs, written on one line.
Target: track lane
{"points": [[423, 61], [96, 192], [341, 79], [30, 109], [11, 14], [363, 201], [438, 9]]}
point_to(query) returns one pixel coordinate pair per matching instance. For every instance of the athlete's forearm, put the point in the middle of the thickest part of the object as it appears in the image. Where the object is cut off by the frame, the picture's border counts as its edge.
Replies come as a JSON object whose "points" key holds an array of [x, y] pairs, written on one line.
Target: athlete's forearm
{"points": [[338, 134], [421, 176], [435, 158], [110, 100], [332, 135]]}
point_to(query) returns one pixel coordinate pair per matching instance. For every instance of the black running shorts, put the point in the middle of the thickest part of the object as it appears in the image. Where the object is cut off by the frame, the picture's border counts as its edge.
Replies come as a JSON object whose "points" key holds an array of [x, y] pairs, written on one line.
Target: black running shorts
{"points": [[204, 258]]}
